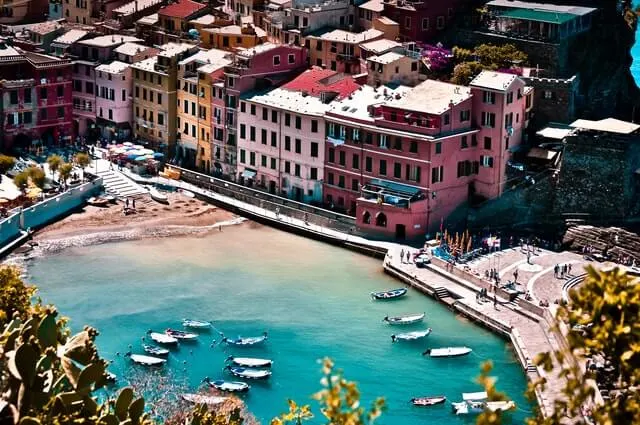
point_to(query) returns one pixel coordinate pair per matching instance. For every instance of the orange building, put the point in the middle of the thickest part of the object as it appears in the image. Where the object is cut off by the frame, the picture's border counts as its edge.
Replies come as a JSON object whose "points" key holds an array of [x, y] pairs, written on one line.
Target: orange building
{"points": [[232, 37]]}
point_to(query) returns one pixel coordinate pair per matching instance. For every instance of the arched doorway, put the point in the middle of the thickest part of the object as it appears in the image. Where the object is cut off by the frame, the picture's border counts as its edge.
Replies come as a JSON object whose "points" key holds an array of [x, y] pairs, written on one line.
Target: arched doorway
{"points": [[381, 219], [366, 217]]}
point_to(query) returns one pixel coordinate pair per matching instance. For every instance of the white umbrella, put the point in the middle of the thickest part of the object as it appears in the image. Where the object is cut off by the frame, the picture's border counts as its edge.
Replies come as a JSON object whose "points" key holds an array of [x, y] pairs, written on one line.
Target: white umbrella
{"points": [[128, 144], [138, 146], [147, 151]]}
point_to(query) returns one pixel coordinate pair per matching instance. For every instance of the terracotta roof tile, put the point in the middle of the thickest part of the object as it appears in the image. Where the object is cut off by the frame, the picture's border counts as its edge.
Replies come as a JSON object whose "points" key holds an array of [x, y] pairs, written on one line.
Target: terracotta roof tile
{"points": [[181, 9], [317, 80]]}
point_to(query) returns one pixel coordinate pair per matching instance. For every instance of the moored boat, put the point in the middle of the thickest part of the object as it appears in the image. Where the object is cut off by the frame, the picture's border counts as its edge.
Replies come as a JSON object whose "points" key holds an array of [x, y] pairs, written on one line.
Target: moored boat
{"points": [[473, 403], [110, 377], [404, 320], [158, 196], [195, 324], [447, 352], [161, 338], [98, 202], [243, 342], [250, 361], [228, 386], [156, 351], [428, 401], [209, 400], [146, 360], [247, 373], [187, 193], [390, 294], [411, 336], [181, 334]]}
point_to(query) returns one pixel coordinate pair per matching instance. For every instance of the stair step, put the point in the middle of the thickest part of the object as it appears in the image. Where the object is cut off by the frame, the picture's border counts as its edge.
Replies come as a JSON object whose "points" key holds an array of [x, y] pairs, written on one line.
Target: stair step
{"points": [[442, 292]]}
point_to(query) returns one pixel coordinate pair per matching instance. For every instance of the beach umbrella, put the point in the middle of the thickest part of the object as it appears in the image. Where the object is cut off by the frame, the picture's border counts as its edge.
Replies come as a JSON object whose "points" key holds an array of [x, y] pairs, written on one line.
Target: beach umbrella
{"points": [[141, 158], [138, 146], [146, 151], [128, 144], [132, 156], [158, 155]]}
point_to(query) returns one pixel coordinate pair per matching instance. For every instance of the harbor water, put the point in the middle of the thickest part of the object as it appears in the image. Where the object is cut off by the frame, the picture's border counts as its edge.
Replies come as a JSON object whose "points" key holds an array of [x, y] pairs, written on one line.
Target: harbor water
{"points": [[311, 297], [635, 52]]}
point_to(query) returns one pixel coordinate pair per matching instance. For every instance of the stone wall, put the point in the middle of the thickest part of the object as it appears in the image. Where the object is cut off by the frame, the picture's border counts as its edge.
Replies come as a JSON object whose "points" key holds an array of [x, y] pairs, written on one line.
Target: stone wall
{"points": [[560, 107]]}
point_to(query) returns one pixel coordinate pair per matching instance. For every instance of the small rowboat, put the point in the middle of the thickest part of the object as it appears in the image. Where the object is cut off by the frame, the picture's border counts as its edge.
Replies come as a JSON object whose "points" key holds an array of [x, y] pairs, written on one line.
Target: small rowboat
{"points": [[147, 360], [162, 338], [187, 193], [246, 373], [156, 351], [250, 361], [428, 401], [209, 400], [448, 352], [411, 336], [243, 342], [180, 334], [196, 324], [229, 386], [98, 202], [390, 294], [404, 320], [158, 196]]}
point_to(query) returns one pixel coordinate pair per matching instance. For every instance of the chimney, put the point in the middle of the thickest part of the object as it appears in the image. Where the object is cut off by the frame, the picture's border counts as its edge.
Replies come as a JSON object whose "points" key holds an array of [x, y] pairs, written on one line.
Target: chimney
{"points": [[136, 6]]}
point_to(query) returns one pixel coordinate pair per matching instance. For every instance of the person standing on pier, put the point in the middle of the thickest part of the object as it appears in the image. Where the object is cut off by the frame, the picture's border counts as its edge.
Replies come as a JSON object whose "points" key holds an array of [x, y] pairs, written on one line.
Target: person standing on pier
{"points": [[402, 255], [408, 256], [556, 269], [515, 276]]}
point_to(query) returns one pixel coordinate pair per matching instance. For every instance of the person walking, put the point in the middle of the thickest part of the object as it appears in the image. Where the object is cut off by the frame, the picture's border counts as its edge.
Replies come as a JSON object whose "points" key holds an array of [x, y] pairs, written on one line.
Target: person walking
{"points": [[556, 269], [515, 276], [402, 255], [133, 203], [408, 256], [569, 269]]}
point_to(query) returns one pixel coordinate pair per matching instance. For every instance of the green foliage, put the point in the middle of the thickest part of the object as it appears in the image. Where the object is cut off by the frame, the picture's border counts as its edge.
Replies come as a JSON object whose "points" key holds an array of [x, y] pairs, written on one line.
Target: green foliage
{"points": [[15, 295], [470, 63], [54, 161], [202, 416], [488, 382], [464, 72], [65, 171], [339, 402], [21, 180], [32, 175], [6, 163], [82, 160], [461, 54]]}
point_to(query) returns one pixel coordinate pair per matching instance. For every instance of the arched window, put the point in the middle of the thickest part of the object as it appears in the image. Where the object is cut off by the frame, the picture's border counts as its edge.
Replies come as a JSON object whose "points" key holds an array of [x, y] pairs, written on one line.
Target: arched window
{"points": [[381, 220], [366, 217]]}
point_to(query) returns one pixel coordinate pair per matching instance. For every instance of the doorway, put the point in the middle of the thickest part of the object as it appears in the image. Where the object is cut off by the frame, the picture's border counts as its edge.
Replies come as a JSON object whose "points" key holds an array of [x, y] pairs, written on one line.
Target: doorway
{"points": [[401, 232]]}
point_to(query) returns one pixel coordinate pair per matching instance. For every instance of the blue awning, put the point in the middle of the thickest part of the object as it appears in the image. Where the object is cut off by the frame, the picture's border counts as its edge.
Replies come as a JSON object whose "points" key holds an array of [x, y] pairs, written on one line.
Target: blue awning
{"points": [[248, 173], [334, 141], [394, 188]]}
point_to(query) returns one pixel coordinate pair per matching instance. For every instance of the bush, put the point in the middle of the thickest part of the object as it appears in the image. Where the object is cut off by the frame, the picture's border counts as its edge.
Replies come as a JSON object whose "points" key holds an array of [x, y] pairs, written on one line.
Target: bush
{"points": [[6, 163], [15, 295]]}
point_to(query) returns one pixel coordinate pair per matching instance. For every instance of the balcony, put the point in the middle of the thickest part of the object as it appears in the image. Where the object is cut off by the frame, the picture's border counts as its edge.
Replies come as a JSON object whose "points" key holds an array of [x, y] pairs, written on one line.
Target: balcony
{"points": [[384, 192]]}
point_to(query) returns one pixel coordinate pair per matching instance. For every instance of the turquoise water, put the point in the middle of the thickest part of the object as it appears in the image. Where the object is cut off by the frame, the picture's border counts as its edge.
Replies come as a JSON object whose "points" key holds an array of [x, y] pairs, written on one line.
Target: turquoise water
{"points": [[635, 52], [313, 299]]}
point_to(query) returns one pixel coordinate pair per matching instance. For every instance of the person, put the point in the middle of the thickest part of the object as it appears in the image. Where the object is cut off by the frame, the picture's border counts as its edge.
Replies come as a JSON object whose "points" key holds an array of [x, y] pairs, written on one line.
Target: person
{"points": [[277, 212], [133, 204], [402, 255], [126, 202], [306, 218], [515, 276], [408, 256], [556, 269]]}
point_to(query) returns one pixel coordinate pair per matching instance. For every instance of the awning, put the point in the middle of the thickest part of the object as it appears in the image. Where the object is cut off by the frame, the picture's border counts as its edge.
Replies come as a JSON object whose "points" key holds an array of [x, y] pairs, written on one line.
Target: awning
{"points": [[398, 189], [334, 141], [248, 173]]}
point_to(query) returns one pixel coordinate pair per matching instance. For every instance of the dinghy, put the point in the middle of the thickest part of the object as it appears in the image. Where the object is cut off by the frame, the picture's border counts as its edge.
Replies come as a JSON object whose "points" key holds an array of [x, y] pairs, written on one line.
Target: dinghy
{"points": [[229, 386], [209, 400], [404, 320], [156, 351], [187, 193], [250, 361], [146, 360], [162, 338], [473, 403], [447, 352], [243, 342], [195, 324], [428, 401], [98, 202], [389, 295], [158, 196], [246, 373], [180, 334], [411, 336]]}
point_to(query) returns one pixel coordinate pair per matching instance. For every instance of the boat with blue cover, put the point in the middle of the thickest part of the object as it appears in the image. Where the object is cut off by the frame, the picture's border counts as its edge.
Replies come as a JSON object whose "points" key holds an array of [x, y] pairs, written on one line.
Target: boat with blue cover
{"points": [[248, 341], [411, 336], [390, 294], [228, 386], [249, 361], [247, 373]]}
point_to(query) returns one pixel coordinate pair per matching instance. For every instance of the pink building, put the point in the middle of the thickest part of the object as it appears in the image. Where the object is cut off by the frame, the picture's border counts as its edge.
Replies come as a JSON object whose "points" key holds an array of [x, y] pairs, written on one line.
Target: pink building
{"points": [[401, 160], [282, 134], [113, 100], [258, 67]]}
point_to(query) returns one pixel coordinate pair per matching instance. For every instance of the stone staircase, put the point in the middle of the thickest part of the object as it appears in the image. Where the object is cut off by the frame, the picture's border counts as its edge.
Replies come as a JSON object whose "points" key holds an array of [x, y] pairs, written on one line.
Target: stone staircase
{"points": [[118, 185], [442, 292]]}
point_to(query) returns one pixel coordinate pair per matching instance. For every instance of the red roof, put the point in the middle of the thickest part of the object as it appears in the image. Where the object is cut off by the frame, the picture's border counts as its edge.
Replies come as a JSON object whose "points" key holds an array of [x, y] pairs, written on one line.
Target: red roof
{"points": [[317, 80], [181, 9]]}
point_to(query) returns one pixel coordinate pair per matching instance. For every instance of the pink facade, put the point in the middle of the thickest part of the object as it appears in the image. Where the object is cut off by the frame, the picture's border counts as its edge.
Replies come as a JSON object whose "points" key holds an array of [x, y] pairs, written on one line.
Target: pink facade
{"points": [[419, 20], [403, 160], [114, 100]]}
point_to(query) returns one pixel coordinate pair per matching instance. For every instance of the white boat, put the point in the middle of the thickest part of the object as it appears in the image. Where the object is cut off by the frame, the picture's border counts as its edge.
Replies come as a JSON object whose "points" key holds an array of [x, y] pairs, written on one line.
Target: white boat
{"points": [[147, 360], [229, 386], [162, 338], [98, 202], [447, 352], [209, 400], [250, 361], [240, 341], [110, 377], [390, 294], [158, 196], [196, 324], [411, 336], [180, 334], [428, 401], [156, 351], [243, 372], [404, 320], [187, 193], [473, 403]]}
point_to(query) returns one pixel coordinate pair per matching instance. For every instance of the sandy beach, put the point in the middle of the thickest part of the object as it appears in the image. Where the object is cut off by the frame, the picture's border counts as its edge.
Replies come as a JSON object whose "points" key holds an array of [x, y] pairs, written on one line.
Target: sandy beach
{"points": [[182, 216]]}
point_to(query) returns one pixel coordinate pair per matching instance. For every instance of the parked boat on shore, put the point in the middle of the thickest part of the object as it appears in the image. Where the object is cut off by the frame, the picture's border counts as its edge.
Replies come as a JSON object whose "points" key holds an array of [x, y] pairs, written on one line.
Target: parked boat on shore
{"points": [[195, 324], [428, 401], [98, 202], [243, 342], [187, 336], [250, 361], [228, 386], [447, 352], [162, 338], [390, 294], [156, 351], [158, 196], [407, 319], [146, 360], [411, 336], [246, 373]]}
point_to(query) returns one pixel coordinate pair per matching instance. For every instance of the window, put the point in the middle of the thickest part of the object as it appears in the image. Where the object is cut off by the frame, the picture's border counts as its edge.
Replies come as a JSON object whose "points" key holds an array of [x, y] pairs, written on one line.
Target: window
{"points": [[341, 181], [243, 156], [151, 95], [509, 97], [137, 90], [342, 158], [110, 114], [298, 122], [296, 170], [332, 155], [314, 149], [368, 164], [425, 24], [437, 174], [440, 22], [413, 147], [407, 22], [397, 143], [252, 133], [397, 170], [243, 131], [487, 143], [287, 167], [252, 158], [314, 126], [313, 173], [474, 140], [463, 142], [144, 95], [383, 167], [333, 65], [489, 119], [274, 116], [160, 119], [253, 109], [548, 94], [298, 146], [381, 219], [355, 161], [243, 107], [330, 178], [159, 98], [291, 58], [124, 95], [366, 217], [488, 97], [263, 133], [60, 91], [382, 140], [60, 112], [287, 143], [446, 119], [465, 115], [287, 120], [486, 161], [43, 92], [27, 96], [274, 139], [273, 163], [28, 118], [13, 96], [465, 168], [43, 114], [355, 185], [319, 45], [438, 148], [276, 60], [264, 160], [413, 173]]}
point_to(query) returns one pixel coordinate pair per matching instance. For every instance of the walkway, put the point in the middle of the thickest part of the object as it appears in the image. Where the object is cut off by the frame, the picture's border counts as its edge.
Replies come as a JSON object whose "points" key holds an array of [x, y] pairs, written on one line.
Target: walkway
{"points": [[115, 183]]}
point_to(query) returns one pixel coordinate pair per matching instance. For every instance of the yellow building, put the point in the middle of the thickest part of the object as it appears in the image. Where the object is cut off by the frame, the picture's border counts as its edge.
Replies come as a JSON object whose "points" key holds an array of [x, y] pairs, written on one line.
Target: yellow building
{"points": [[233, 36], [173, 19], [155, 97], [195, 77], [78, 11]]}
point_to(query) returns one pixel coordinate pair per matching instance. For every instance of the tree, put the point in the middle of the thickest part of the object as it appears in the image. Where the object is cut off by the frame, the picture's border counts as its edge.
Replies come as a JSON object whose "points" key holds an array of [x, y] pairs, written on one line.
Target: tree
{"points": [[21, 180], [54, 161], [15, 295], [82, 160], [65, 172], [6, 163], [464, 72], [470, 63], [36, 176]]}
